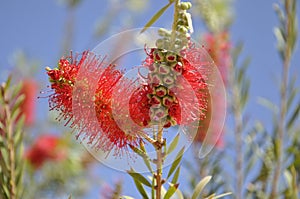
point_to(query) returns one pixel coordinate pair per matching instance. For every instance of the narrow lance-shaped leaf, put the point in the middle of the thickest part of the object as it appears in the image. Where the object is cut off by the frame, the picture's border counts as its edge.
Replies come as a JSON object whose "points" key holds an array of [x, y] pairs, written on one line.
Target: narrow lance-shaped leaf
{"points": [[171, 191], [156, 16], [176, 176], [213, 196], [152, 188], [139, 177], [294, 116], [141, 152], [17, 104], [173, 144], [141, 189], [200, 186], [127, 197], [176, 162]]}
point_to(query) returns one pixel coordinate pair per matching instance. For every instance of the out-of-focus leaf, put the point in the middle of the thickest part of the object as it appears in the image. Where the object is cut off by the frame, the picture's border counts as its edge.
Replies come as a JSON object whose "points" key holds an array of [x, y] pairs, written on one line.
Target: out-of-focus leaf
{"points": [[139, 177], [140, 188], [148, 164], [292, 92], [171, 191], [152, 188], [268, 104], [243, 69], [176, 176], [17, 105], [213, 196], [294, 116], [127, 197], [173, 144], [176, 162], [280, 41], [156, 16], [200, 186], [7, 83], [245, 93], [16, 91]]}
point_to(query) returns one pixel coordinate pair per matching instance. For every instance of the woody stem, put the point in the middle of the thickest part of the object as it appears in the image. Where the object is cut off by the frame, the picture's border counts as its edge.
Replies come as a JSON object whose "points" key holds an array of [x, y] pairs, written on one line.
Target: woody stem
{"points": [[159, 163], [175, 19]]}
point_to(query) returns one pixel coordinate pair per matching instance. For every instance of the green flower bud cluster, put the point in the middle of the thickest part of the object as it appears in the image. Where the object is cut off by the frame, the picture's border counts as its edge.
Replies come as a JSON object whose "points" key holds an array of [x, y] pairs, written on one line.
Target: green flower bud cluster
{"points": [[177, 39]]}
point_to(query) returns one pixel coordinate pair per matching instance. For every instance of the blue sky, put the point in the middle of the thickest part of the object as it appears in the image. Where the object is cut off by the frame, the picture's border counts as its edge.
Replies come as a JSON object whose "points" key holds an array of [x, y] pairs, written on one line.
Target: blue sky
{"points": [[37, 27]]}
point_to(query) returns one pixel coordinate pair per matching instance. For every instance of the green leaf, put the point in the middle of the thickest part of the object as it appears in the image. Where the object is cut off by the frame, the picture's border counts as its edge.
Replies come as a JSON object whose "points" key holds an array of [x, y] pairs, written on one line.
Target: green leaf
{"points": [[138, 151], [16, 91], [147, 163], [173, 144], [200, 186], [176, 162], [268, 104], [156, 16], [171, 191], [17, 105], [213, 196], [7, 83], [176, 176], [126, 197], [179, 194], [141, 189], [139, 177], [152, 188], [294, 116], [4, 166]]}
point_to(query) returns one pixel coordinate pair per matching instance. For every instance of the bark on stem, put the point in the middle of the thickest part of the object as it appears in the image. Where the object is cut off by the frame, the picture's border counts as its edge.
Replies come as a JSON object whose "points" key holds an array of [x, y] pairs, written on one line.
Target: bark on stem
{"points": [[159, 163], [281, 129]]}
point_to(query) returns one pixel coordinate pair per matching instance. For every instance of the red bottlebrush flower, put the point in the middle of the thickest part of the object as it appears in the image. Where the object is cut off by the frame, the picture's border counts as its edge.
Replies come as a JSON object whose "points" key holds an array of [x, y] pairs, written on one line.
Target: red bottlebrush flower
{"points": [[45, 148], [29, 89], [218, 46], [90, 113], [175, 92]]}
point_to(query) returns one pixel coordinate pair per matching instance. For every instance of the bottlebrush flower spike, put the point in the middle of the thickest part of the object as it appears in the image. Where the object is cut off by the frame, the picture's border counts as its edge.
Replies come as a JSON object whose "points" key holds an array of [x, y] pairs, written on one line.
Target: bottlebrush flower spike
{"points": [[45, 148], [176, 92], [85, 102]]}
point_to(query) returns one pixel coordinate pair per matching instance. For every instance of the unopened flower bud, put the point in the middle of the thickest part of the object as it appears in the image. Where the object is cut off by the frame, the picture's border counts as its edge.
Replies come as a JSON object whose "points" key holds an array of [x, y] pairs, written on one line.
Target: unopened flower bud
{"points": [[161, 91], [171, 57], [185, 5], [182, 29], [158, 55], [163, 32], [167, 101], [168, 80], [163, 69]]}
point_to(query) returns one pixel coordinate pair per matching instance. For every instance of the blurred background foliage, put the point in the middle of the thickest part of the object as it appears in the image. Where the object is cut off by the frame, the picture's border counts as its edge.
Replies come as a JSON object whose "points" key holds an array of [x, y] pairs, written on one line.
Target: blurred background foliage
{"points": [[254, 158]]}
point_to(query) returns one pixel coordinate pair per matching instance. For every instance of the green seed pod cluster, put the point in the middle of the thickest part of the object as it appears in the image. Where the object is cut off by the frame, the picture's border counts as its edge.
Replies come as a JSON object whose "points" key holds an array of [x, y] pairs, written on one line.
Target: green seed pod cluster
{"points": [[163, 73], [179, 38]]}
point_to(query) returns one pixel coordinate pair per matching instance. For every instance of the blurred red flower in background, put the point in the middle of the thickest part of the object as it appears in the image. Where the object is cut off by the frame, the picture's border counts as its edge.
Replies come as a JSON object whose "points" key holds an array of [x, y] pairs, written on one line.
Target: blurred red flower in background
{"points": [[45, 148], [218, 47], [29, 89]]}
